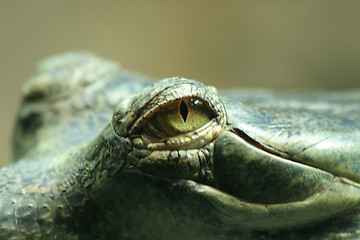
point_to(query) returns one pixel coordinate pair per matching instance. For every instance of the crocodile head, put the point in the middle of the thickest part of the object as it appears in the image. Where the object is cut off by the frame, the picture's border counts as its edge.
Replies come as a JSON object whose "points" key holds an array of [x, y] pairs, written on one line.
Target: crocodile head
{"points": [[177, 160], [203, 166]]}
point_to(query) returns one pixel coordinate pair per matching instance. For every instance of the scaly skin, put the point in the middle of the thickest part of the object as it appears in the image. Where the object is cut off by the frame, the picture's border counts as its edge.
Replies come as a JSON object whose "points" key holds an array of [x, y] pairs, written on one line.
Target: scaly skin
{"points": [[93, 161]]}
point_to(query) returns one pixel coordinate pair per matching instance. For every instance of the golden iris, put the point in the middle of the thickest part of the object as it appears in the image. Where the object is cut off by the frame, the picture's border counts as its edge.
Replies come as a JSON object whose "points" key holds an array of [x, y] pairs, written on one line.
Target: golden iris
{"points": [[182, 116]]}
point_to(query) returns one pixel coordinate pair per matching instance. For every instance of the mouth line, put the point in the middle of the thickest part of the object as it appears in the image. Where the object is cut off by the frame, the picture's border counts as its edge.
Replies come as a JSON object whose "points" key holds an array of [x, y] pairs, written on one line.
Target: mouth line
{"points": [[268, 149], [255, 143]]}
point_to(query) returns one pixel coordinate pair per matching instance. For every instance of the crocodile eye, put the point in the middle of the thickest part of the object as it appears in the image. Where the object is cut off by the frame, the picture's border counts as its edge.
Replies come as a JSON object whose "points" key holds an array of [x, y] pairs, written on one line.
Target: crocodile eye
{"points": [[174, 114], [180, 117]]}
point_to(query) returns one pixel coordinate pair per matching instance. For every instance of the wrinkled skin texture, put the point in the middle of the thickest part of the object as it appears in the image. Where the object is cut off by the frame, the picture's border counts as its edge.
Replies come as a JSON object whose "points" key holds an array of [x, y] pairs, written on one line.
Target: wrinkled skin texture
{"points": [[95, 159]]}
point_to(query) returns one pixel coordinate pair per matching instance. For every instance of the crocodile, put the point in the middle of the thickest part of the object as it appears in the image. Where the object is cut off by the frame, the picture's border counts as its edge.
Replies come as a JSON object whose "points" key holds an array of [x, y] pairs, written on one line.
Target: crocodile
{"points": [[105, 153]]}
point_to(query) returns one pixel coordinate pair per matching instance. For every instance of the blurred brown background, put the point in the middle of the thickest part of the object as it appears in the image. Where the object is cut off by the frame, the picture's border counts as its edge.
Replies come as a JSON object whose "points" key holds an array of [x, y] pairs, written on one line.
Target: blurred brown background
{"points": [[268, 44]]}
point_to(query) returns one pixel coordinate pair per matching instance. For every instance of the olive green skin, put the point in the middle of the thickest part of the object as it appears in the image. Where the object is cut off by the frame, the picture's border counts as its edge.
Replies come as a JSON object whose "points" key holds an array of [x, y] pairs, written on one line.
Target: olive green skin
{"points": [[285, 165]]}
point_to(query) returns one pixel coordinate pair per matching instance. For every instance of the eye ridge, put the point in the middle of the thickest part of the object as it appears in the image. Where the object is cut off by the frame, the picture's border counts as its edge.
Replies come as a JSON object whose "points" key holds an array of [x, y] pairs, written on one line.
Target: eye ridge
{"points": [[184, 110]]}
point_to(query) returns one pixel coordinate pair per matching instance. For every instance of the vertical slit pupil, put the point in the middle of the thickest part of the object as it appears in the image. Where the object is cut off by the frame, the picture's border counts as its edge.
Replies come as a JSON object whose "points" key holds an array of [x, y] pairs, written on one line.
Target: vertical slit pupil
{"points": [[184, 110]]}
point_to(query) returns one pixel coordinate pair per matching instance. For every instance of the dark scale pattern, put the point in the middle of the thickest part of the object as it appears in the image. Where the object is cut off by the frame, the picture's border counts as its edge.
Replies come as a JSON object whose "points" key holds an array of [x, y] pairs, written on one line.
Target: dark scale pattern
{"points": [[285, 165]]}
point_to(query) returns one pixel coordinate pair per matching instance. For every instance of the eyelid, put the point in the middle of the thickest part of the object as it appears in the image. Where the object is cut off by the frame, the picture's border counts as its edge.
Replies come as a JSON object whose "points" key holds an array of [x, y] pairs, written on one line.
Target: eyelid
{"points": [[141, 123], [132, 114], [194, 139], [169, 96]]}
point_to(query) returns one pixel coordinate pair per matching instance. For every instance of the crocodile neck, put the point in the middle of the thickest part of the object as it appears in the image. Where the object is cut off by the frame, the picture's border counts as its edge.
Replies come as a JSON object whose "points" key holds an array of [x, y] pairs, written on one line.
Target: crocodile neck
{"points": [[94, 163], [53, 204]]}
